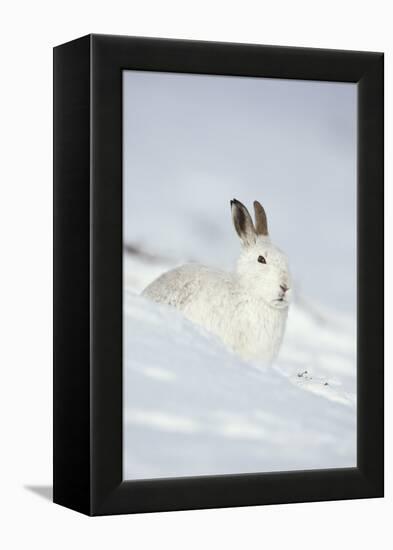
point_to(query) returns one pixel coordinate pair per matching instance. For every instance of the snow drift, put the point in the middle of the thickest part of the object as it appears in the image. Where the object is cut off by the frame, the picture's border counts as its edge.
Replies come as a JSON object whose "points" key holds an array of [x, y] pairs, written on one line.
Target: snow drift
{"points": [[192, 407]]}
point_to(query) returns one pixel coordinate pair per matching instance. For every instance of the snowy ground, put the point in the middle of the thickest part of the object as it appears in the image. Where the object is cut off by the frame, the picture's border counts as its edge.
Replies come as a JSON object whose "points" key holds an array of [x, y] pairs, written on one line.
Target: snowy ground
{"points": [[194, 408]]}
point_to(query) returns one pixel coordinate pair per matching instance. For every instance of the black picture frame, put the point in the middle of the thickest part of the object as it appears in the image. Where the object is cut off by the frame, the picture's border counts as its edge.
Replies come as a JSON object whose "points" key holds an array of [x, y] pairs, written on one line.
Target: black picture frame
{"points": [[88, 363]]}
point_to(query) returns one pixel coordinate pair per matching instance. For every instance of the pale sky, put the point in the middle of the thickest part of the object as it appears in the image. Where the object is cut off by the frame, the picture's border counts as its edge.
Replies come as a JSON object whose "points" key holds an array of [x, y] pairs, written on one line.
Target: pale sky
{"points": [[193, 142]]}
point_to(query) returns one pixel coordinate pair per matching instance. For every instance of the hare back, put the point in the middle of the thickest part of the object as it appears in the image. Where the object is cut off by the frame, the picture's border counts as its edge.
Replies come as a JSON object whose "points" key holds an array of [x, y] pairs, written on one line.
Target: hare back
{"points": [[190, 284]]}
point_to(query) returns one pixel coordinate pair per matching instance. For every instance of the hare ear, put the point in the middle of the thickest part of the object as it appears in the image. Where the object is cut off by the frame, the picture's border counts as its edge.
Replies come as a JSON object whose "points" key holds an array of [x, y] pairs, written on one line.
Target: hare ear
{"points": [[260, 219], [243, 223]]}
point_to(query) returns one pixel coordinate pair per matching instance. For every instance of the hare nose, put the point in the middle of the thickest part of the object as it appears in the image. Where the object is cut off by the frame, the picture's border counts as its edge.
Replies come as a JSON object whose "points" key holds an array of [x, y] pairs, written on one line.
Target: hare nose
{"points": [[284, 288]]}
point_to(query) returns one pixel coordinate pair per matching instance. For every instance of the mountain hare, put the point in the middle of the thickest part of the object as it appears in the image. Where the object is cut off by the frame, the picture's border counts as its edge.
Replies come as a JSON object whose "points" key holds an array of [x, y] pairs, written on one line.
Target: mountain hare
{"points": [[246, 309]]}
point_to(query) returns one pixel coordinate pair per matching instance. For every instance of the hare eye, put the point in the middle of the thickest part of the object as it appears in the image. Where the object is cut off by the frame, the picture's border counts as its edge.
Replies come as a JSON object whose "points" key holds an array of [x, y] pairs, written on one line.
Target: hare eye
{"points": [[261, 260]]}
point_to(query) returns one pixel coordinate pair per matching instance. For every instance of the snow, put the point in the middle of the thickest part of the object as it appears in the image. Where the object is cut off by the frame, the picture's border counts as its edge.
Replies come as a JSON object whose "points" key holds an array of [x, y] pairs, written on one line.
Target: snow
{"points": [[192, 407]]}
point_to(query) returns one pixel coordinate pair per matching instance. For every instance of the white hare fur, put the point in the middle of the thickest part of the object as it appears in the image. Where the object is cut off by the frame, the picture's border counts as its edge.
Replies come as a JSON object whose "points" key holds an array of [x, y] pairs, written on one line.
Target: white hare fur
{"points": [[246, 309]]}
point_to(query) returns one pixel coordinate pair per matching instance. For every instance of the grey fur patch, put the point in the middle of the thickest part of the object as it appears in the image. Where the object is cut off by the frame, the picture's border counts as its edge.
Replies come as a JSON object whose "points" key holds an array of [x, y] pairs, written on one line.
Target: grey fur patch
{"points": [[260, 219], [243, 222]]}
